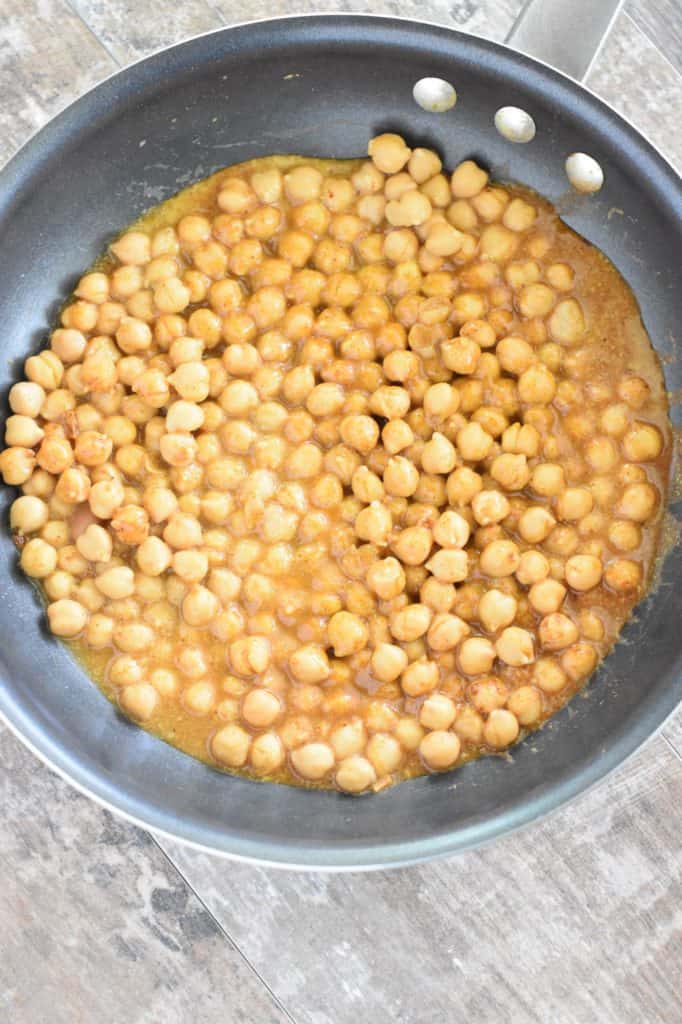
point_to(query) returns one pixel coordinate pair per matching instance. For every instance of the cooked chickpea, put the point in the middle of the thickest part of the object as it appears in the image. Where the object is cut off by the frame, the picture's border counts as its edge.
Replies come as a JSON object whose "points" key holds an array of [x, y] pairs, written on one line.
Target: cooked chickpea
{"points": [[313, 760], [309, 664], [514, 646], [347, 633], [476, 655], [439, 749], [496, 610], [67, 618], [28, 514], [38, 558], [501, 728]]}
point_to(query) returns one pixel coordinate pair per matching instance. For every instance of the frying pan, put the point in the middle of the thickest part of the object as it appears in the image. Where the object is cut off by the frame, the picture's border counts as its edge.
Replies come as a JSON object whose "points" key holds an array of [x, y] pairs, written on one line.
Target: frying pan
{"points": [[322, 85]]}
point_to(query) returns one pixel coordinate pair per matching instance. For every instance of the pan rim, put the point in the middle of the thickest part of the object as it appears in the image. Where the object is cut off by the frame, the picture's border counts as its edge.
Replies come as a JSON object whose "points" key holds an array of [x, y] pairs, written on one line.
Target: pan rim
{"points": [[344, 857]]}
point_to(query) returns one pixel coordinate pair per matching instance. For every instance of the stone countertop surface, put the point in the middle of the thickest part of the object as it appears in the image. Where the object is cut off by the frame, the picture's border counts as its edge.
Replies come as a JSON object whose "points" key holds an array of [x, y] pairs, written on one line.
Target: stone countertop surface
{"points": [[577, 920]]}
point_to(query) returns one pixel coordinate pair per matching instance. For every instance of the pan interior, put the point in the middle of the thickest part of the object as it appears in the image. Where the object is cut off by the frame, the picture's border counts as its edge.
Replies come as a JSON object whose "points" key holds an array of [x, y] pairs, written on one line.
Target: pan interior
{"points": [[322, 87]]}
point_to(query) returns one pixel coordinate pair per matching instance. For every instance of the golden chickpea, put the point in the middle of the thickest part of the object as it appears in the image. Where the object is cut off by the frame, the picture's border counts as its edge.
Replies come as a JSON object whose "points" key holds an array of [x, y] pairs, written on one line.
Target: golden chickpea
{"points": [[446, 632], [26, 398], [267, 753], [439, 749], [309, 664], [347, 633], [95, 544], [496, 610], [420, 677], [535, 524], [567, 322], [510, 471], [355, 774], [439, 454], [389, 153], [473, 442], [448, 565], [623, 575], [637, 502], [28, 514], [501, 729], [66, 618], [583, 572], [624, 535], [38, 559], [230, 746], [386, 578], [476, 655], [384, 753], [116, 583], [388, 662], [411, 622], [643, 442], [499, 558], [514, 646]]}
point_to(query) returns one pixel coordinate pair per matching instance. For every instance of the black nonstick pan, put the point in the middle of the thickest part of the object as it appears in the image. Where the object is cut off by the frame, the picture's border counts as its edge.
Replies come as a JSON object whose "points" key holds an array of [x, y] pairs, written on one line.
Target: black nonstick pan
{"points": [[322, 86]]}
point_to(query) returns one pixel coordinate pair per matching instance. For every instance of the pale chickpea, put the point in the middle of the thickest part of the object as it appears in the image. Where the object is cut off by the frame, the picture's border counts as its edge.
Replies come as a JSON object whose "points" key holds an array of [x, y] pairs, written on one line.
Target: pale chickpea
{"points": [[451, 530], [360, 432], [313, 761], [230, 746], [95, 544], [476, 655], [28, 514], [496, 610], [410, 622], [510, 471], [413, 545], [38, 558], [355, 774], [637, 502], [26, 398], [473, 442], [384, 753], [388, 662], [116, 583], [643, 442], [514, 646], [448, 565], [624, 535], [67, 618], [420, 677], [583, 572], [401, 477], [567, 322], [439, 454], [386, 578], [547, 596], [548, 480], [439, 749], [389, 153], [182, 531], [347, 633], [557, 631], [446, 631], [535, 524], [267, 753], [501, 728], [499, 558], [309, 664]]}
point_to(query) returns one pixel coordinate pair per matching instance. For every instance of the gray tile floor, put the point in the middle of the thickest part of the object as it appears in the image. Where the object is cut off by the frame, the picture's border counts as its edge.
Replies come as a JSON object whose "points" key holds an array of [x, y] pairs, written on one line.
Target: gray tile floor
{"points": [[576, 921]]}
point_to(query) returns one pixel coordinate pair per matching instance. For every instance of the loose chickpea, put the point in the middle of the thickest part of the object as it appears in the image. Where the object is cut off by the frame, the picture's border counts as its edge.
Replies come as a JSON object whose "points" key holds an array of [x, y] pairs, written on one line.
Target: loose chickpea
{"points": [[501, 729], [411, 622], [499, 558], [448, 565], [355, 774], [583, 572], [510, 471], [496, 610], [309, 664], [557, 631], [413, 545], [38, 559], [420, 677], [66, 618], [514, 646], [637, 502], [535, 524], [95, 544], [547, 596], [643, 442], [116, 583], [476, 655], [28, 514], [439, 454], [446, 632], [347, 633], [439, 749], [230, 746], [623, 575], [388, 662]]}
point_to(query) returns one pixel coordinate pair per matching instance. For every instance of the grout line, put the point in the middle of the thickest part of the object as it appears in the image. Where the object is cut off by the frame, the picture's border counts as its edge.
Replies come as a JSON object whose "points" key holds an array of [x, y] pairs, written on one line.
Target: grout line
{"points": [[645, 33], [224, 932], [676, 752], [76, 13]]}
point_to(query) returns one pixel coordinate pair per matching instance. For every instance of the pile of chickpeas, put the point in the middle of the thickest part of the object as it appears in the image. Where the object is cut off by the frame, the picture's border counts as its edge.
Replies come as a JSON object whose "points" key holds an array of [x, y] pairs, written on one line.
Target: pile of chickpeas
{"points": [[328, 471]]}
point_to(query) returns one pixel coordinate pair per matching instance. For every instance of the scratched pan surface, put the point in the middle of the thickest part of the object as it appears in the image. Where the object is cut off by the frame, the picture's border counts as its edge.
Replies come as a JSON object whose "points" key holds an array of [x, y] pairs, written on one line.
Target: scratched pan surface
{"points": [[321, 86]]}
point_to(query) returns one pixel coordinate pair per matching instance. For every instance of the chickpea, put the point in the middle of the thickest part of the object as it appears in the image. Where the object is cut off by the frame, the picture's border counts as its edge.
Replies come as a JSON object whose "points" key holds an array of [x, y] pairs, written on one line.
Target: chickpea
{"points": [[514, 646], [420, 677], [643, 442], [501, 729], [510, 471], [476, 655], [347, 633], [439, 454], [38, 559], [309, 664], [388, 662], [448, 565], [313, 760], [67, 618], [567, 322], [496, 610], [355, 774], [28, 514], [623, 575], [116, 583], [230, 746], [439, 749], [535, 524], [413, 545], [95, 544]]}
